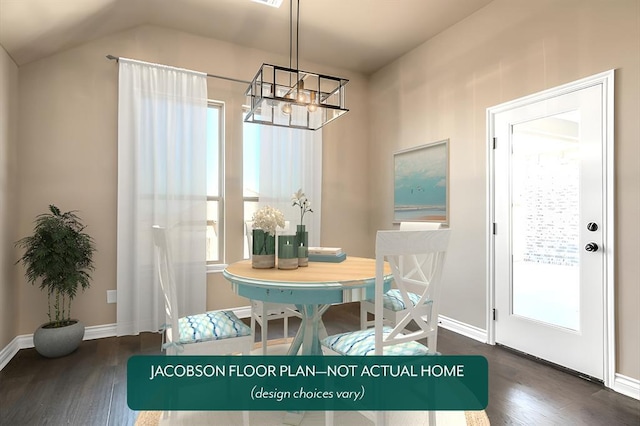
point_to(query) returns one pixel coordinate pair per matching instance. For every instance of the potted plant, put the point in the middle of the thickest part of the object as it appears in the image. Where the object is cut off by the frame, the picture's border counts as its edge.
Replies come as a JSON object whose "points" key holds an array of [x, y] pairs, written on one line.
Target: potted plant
{"points": [[59, 255]]}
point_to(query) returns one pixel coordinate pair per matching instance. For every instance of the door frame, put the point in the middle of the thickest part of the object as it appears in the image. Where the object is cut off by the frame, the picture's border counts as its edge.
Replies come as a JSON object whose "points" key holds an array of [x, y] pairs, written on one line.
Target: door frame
{"points": [[606, 80]]}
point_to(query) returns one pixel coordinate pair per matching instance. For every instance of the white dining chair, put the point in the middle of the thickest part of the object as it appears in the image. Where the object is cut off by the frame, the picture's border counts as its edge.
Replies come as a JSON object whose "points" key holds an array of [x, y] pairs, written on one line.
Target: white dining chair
{"points": [[263, 312], [416, 259], [209, 333], [394, 304]]}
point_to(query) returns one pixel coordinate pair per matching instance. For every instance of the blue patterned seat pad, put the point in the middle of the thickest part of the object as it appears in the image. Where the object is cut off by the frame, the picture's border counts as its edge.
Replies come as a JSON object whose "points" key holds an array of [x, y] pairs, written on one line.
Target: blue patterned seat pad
{"points": [[362, 342], [214, 325], [392, 300]]}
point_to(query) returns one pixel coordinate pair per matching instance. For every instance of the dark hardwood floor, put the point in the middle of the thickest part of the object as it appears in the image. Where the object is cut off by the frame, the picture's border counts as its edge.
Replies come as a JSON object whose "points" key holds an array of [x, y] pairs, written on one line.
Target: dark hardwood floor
{"points": [[88, 387]]}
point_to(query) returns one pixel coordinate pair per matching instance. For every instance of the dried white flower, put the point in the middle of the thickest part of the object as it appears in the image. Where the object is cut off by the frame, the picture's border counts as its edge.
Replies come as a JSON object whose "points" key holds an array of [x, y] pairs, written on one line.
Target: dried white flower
{"points": [[299, 199], [268, 219]]}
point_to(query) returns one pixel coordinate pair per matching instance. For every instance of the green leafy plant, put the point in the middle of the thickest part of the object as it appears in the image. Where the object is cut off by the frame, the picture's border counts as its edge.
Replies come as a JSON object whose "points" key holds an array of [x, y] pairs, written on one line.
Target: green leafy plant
{"points": [[60, 256]]}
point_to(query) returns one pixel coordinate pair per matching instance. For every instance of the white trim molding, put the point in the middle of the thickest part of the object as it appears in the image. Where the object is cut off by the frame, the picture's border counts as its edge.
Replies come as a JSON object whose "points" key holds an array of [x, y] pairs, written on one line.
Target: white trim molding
{"points": [[216, 268], [606, 81], [459, 327], [9, 351], [622, 384], [25, 341], [99, 331], [626, 386], [242, 311]]}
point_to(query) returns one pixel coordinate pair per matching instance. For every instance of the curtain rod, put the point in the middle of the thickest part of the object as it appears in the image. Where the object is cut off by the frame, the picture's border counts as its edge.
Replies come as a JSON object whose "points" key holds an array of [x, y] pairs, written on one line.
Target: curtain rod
{"points": [[116, 58]]}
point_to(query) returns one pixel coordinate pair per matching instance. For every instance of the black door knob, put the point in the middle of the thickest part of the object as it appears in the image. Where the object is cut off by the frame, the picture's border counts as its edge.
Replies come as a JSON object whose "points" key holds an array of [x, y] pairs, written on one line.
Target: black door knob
{"points": [[591, 247], [592, 226]]}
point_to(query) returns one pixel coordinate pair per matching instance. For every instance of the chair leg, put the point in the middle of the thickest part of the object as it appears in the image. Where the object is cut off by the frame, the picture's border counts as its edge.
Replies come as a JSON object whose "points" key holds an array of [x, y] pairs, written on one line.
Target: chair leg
{"points": [[253, 319], [263, 328], [364, 316], [286, 326], [432, 418], [434, 338], [328, 418]]}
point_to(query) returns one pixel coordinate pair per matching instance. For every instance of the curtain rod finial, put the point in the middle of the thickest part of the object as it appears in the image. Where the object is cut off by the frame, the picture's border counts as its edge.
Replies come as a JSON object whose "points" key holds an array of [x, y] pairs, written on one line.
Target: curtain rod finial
{"points": [[111, 57]]}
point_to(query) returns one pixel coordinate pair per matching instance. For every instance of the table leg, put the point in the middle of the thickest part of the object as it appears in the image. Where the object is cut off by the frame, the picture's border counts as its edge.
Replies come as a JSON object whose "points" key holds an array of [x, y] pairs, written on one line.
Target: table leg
{"points": [[293, 418], [311, 327], [307, 337]]}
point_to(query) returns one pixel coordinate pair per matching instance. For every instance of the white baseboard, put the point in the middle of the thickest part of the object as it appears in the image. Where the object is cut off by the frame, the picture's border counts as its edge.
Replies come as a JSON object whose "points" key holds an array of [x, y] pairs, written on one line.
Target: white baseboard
{"points": [[622, 384], [242, 312], [9, 351], [25, 341], [626, 386], [467, 330], [99, 331]]}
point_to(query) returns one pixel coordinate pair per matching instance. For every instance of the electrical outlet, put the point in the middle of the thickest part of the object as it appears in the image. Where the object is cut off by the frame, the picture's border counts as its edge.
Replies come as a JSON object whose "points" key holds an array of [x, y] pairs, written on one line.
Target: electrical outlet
{"points": [[112, 296]]}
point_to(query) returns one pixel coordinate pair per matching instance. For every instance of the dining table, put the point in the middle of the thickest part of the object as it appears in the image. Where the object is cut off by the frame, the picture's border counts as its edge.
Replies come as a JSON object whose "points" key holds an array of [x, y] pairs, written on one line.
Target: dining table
{"points": [[312, 289]]}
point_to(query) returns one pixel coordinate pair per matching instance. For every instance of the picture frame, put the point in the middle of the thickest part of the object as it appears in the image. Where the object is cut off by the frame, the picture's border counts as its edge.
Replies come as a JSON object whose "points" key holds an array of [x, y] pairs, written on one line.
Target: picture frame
{"points": [[421, 183]]}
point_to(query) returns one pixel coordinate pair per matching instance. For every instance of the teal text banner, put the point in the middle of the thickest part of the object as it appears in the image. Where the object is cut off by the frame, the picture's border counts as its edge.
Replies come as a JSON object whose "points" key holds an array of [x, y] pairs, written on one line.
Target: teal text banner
{"points": [[307, 383]]}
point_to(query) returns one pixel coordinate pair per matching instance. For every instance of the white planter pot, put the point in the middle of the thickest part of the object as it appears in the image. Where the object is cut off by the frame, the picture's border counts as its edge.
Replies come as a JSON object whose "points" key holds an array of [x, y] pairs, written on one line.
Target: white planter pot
{"points": [[59, 341]]}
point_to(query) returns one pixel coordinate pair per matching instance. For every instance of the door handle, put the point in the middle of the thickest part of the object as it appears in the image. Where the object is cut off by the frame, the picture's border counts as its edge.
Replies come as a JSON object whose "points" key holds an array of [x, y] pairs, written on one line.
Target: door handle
{"points": [[591, 247]]}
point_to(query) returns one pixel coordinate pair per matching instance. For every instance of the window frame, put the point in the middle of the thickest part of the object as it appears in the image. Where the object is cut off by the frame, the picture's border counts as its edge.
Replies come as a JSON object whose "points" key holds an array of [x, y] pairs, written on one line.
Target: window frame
{"points": [[246, 199], [213, 264]]}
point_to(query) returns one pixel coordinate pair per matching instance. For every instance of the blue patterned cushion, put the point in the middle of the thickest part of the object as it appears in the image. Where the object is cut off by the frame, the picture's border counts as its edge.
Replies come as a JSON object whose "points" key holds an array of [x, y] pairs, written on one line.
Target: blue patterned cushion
{"points": [[213, 325], [393, 300], [363, 343]]}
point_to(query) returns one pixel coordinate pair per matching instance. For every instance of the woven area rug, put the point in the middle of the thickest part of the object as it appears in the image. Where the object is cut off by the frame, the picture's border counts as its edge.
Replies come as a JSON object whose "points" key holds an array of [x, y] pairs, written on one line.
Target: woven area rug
{"points": [[311, 418]]}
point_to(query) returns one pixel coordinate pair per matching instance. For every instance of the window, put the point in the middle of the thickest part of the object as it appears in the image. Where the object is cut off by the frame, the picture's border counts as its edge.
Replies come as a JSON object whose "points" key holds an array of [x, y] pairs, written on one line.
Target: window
{"points": [[215, 178], [277, 162], [250, 173]]}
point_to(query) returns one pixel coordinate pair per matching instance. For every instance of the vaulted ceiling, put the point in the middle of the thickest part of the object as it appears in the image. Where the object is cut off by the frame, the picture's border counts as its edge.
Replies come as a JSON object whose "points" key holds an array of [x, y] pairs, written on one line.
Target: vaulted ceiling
{"points": [[360, 35]]}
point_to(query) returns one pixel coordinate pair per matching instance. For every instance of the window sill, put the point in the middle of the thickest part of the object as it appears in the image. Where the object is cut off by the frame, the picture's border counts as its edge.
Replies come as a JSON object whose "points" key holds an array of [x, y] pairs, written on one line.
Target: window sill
{"points": [[216, 268]]}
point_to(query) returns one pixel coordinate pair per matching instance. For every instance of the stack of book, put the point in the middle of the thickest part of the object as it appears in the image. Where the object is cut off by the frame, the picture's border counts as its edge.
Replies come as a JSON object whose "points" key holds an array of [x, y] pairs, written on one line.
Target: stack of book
{"points": [[326, 254]]}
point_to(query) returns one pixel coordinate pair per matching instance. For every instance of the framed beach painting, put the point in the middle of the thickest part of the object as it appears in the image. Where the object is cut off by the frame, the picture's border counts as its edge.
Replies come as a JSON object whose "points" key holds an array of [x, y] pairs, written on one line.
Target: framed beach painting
{"points": [[421, 183]]}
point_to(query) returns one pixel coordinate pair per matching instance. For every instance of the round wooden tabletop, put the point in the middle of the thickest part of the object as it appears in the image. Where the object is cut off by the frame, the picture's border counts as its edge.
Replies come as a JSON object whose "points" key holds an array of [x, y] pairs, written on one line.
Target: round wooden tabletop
{"points": [[353, 271]]}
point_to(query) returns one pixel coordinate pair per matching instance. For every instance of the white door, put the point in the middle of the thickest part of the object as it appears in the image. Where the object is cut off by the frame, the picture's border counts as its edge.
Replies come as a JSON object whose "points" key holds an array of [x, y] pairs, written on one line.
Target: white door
{"points": [[550, 215]]}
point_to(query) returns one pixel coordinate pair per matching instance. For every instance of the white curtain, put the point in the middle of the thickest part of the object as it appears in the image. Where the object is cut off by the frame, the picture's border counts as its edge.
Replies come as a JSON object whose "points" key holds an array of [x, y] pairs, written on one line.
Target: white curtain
{"points": [[291, 159], [162, 114]]}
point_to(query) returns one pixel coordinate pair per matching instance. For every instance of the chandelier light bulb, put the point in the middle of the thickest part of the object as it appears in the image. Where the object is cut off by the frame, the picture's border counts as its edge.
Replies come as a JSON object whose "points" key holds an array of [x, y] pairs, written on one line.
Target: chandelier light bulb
{"points": [[313, 105], [286, 108], [301, 97]]}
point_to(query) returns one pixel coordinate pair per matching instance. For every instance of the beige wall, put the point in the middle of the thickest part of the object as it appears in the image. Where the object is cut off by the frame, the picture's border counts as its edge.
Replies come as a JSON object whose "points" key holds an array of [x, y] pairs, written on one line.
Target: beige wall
{"points": [[8, 195], [507, 50], [67, 139], [68, 152]]}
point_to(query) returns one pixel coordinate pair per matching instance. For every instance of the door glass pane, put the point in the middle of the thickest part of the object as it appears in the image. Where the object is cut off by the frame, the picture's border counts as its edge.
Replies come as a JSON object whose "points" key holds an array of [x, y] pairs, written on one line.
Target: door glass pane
{"points": [[545, 220]]}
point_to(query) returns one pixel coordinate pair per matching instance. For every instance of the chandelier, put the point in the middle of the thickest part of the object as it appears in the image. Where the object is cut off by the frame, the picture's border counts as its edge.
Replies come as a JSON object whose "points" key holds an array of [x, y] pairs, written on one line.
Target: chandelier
{"points": [[290, 97]]}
